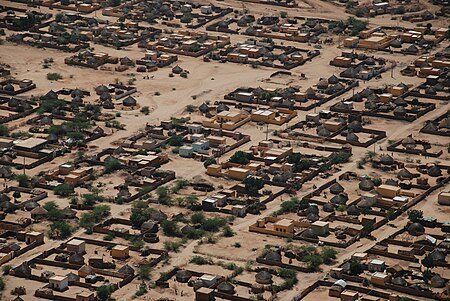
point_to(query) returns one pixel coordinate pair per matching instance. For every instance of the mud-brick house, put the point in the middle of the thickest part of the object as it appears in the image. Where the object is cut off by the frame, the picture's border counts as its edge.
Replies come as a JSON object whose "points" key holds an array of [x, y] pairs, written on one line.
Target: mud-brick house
{"points": [[32, 145], [76, 245], [120, 252], [58, 283], [85, 296]]}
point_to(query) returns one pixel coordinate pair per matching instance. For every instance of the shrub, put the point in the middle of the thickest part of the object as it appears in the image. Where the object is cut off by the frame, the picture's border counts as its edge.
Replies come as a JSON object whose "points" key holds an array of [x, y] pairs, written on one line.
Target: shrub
{"points": [[209, 161], [228, 232], [415, 215], [4, 131], [145, 110], [199, 260], [328, 254], [63, 190], [172, 246], [54, 76], [112, 166]]}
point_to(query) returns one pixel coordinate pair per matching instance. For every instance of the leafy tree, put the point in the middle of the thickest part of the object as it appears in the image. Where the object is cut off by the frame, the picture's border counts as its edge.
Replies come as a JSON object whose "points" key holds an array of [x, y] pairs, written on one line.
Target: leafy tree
{"points": [[313, 262], [23, 180], [356, 267], [63, 190], [163, 194], [356, 25], [87, 221], [209, 161], [170, 228], [198, 218], [328, 254], [105, 291], [213, 224], [228, 232], [428, 261], [144, 272], [415, 215], [60, 229], [300, 164], [176, 140], [253, 185], [241, 157], [4, 131], [54, 213], [112, 166], [54, 76]]}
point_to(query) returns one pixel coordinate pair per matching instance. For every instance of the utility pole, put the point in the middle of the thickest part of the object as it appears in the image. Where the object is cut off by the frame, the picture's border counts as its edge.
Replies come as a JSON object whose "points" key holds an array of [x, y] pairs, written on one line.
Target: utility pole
{"points": [[267, 131]]}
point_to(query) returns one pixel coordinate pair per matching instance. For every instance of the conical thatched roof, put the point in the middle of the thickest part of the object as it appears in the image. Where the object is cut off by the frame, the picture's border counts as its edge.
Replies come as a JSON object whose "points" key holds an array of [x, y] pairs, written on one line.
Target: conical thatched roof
{"points": [[273, 256], [366, 202], [263, 277], [366, 185], [336, 188], [434, 171], [416, 229], [437, 281], [226, 287], [309, 233], [339, 199], [399, 281], [183, 276], [404, 174], [387, 160], [127, 270], [328, 207]]}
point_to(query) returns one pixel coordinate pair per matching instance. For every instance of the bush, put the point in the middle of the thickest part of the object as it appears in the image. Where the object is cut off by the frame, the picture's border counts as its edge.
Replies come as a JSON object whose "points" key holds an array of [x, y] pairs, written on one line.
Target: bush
{"points": [[6, 269], [253, 185], [23, 180], [4, 131], [54, 76], [2, 284], [60, 229], [237, 244], [209, 161], [199, 260], [191, 108], [172, 246], [145, 110], [144, 272], [228, 232], [105, 291], [63, 190], [328, 254], [170, 228], [241, 157], [176, 140], [415, 215], [112, 166]]}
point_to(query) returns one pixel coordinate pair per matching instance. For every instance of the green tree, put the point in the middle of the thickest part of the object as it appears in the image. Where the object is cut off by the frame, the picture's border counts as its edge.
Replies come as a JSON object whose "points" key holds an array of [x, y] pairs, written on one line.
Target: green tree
{"points": [[253, 185], [23, 179], [170, 228], [60, 229], [428, 261], [356, 267], [54, 213], [4, 131], [105, 291], [87, 221], [209, 161], [241, 157], [112, 166], [63, 190], [415, 215], [328, 254], [313, 262], [176, 140]]}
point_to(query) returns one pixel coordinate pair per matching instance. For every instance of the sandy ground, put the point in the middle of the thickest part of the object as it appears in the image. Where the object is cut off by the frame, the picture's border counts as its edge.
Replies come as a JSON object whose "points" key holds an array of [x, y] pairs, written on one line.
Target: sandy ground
{"points": [[209, 82]]}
